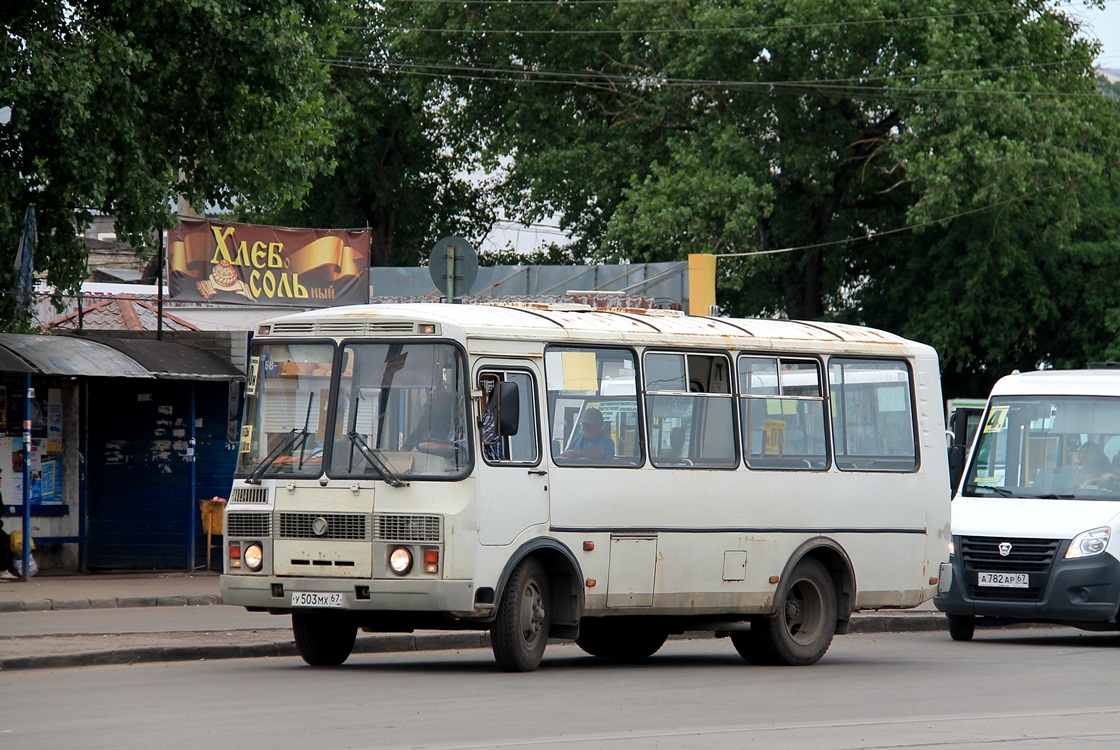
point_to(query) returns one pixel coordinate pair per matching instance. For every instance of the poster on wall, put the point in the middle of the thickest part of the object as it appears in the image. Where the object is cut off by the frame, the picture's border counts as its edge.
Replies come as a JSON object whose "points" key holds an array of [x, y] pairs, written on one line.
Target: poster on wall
{"points": [[46, 473], [54, 420]]}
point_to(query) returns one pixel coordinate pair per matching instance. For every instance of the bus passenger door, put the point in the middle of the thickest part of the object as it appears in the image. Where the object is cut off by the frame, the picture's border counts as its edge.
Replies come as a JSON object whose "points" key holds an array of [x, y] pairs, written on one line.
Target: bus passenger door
{"points": [[512, 478]]}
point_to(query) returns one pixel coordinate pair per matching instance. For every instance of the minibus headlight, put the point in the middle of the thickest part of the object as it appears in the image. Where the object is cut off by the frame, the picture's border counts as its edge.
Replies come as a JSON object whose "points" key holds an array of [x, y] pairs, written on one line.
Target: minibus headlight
{"points": [[952, 548], [1088, 543], [253, 556], [400, 560]]}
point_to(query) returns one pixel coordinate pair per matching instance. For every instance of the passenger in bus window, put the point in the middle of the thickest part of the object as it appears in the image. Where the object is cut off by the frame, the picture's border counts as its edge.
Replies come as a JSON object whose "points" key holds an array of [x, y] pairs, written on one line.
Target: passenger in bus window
{"points": [[493, 448], [591, 441]]}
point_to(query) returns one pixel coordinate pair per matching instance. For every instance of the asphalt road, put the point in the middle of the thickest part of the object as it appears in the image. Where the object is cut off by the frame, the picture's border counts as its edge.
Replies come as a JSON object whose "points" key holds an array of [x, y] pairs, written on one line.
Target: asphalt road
{"points": [[1018, 690]]}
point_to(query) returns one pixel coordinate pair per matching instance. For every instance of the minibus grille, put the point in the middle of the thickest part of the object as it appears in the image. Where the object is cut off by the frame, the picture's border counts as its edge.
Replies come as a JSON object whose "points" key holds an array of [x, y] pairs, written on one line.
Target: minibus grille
{"points": [[1034, 556], [406, 528], [255, 525], [351, 526], [249, 495]]}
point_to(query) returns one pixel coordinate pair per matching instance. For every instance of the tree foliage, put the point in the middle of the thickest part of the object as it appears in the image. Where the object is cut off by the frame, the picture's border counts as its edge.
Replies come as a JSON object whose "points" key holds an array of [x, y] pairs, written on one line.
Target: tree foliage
{"points": [[119, 107], [924, 169], [396, 173]]}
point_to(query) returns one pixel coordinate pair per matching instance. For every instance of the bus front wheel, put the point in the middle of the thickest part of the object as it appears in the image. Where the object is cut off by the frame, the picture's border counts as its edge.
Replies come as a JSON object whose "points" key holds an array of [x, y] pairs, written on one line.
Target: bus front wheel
{"points": [[961, 627], [520, 631], [324, 639], [801, 631]]}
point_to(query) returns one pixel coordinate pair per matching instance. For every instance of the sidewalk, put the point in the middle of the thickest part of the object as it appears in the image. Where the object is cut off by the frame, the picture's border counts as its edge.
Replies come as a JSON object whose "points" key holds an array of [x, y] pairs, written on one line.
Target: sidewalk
{"points": [[55, 621]]}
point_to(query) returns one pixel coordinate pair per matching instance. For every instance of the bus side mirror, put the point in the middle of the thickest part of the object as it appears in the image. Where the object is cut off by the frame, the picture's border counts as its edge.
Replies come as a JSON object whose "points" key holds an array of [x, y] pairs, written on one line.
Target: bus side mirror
{"points": [[509, 409], [233, 412]]}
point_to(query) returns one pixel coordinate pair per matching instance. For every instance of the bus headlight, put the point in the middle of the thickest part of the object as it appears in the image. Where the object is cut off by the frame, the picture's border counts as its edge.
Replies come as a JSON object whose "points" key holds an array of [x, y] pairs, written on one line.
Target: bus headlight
{"points": [[400, 560], [1088, 543], [253, 556]]}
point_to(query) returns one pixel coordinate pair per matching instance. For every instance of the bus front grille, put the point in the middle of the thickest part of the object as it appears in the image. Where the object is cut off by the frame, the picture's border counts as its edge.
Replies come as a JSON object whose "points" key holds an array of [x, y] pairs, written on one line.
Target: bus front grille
{"points": [[256, 495], [1033, 556], [349, 526], [256, 525], [406, 528]]}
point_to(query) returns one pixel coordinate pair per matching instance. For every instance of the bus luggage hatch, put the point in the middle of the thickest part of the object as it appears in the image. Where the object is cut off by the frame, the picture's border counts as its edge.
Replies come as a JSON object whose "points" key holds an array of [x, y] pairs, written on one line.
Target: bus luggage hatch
{"points": [[632, 570]]}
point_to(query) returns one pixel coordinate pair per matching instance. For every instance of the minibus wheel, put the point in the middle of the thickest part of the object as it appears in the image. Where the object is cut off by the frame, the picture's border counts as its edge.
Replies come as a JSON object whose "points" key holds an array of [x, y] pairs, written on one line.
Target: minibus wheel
{"points": [[324, 639], [520, 630], [961, 627], [801, 631]]}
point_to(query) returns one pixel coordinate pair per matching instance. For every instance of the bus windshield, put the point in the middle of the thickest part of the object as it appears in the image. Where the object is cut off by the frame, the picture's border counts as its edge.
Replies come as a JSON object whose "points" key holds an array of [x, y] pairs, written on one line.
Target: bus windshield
{"points": [[374, 410], [1049, 447]]}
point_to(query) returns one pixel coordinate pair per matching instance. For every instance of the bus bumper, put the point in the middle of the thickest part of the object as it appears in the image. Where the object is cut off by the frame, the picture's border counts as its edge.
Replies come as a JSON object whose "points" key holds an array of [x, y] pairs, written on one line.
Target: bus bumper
{"points": [[1075, 591], [275, 594]]}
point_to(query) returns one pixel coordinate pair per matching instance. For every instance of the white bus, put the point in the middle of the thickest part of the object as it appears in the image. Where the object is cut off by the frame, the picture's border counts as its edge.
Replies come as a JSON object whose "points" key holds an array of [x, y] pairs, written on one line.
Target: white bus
{"points": [[1034, 518], [427, 466]]}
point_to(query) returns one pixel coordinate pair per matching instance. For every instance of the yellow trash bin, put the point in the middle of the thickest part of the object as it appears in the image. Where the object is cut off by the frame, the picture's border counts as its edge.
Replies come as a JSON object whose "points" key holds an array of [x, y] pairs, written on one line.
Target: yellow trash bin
{"points": [[213, 521]]}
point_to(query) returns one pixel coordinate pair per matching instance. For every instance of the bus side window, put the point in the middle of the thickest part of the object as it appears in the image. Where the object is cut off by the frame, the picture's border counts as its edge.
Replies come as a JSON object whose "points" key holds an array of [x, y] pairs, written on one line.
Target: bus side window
{"points": [[508, 431]]}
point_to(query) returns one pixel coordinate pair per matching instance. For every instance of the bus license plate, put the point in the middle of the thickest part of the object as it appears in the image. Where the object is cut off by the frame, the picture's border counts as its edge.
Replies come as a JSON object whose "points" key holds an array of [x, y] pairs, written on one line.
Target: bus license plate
{"points": [[1005, 580], [315, 599]]}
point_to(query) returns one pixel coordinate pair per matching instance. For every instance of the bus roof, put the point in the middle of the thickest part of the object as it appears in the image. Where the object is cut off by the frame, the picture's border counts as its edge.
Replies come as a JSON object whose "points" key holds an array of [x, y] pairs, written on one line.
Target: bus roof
{"points": [[576, 324], [1103, 382]]}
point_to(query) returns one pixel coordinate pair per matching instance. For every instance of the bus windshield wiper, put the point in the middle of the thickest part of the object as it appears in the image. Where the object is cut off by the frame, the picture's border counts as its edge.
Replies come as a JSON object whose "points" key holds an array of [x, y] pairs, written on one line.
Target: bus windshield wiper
{"points": [[298, 434], [374, 459]]}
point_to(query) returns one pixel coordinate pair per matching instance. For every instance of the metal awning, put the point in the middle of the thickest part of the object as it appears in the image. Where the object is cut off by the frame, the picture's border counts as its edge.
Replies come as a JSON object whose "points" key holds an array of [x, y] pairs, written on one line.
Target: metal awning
{"points": [[173, 361], [110, 358], [65, 355]]}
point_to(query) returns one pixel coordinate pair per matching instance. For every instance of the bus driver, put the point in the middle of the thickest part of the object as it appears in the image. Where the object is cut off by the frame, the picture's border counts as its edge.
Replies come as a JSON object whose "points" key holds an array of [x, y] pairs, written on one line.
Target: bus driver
{"points": [[591, 442]]}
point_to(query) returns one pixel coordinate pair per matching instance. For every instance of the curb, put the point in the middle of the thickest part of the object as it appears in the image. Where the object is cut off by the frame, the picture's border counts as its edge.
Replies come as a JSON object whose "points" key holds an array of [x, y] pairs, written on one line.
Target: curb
{"points": [[364, 644], [375, 643], [48, 605]]}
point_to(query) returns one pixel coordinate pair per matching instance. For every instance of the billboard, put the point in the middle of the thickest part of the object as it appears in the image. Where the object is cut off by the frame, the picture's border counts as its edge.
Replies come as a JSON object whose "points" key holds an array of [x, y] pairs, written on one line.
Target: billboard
{"points": [[221, 261]]}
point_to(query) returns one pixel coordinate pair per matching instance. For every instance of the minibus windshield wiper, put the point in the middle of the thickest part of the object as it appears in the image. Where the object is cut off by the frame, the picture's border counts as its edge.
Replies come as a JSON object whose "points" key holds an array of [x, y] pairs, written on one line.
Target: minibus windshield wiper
{"points": [[298, 434], [1002, 491], [373, 457]]}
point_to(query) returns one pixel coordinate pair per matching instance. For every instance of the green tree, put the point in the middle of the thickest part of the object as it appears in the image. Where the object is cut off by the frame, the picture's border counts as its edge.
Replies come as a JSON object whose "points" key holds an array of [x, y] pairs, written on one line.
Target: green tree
{"points": [[119, 107], [783, 133], [396, 173]]}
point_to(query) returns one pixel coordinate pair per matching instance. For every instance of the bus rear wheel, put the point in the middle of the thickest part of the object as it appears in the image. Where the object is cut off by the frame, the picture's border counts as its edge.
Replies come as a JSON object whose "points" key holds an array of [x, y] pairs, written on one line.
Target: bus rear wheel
{"points": [[621, 640], [324, 639], [520, 630], [801, 631]]}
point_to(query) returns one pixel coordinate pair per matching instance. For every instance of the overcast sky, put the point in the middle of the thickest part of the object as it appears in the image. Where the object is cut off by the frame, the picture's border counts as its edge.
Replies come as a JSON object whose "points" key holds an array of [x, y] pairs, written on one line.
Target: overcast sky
{"points": [[1105, 26]]}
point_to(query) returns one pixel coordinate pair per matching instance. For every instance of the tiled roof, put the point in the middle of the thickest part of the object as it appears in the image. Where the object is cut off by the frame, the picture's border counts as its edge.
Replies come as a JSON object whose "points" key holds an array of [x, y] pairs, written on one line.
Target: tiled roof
{"points": [[119, 314]]}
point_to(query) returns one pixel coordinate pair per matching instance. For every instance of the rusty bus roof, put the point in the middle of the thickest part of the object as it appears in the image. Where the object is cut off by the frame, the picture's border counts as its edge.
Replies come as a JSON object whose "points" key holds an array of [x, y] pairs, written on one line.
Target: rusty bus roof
{"points": [[574, 324]]}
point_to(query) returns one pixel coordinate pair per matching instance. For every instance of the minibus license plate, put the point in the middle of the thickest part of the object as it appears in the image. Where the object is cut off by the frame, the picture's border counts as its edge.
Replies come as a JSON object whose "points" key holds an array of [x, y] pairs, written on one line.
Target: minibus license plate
{"points": [[1005, 580], [315, 599]]}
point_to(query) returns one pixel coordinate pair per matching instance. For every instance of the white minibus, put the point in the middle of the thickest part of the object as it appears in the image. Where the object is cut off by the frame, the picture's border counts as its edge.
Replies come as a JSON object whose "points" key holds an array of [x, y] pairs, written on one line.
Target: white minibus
{"points": [[1036, 517]]}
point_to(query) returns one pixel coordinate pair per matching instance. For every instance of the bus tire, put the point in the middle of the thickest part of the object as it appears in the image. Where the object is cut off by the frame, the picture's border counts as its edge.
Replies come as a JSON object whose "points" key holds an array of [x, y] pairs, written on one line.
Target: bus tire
{"points": [[961, 627], [324, 639], [801, 631], [619, 640], [520, 630]]}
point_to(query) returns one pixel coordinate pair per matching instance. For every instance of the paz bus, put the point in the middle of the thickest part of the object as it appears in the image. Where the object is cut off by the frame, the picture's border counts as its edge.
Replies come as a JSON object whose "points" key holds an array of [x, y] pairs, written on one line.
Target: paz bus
{"points": [[414, 466]]}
